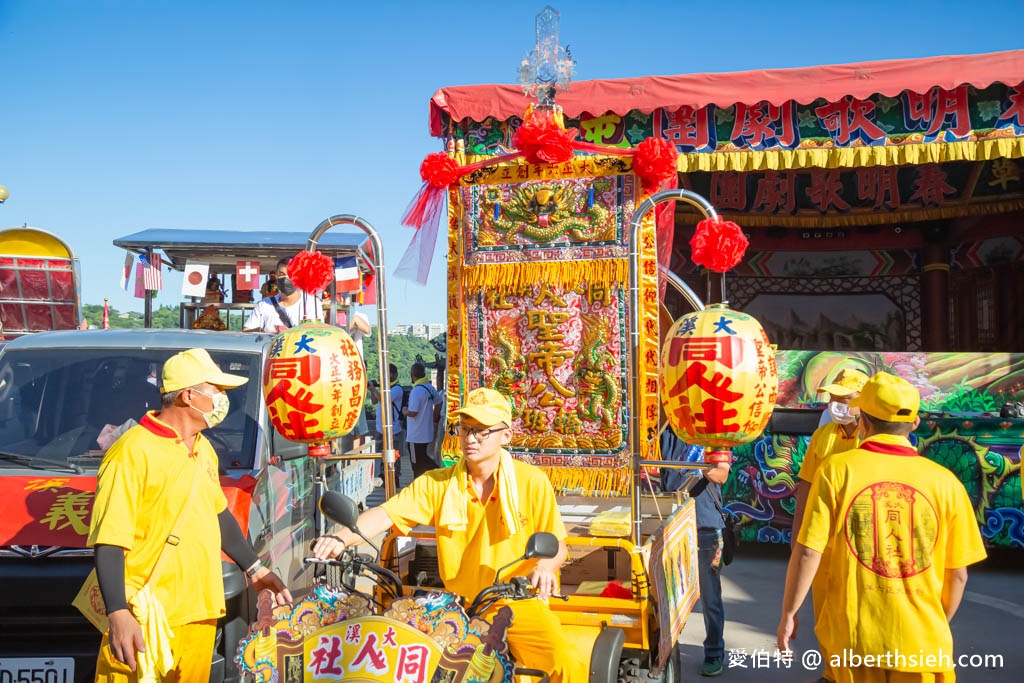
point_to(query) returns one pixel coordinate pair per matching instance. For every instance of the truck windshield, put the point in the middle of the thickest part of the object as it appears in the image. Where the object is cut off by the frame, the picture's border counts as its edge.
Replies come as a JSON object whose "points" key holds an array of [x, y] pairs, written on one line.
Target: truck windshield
{"points": [[69, 405]]}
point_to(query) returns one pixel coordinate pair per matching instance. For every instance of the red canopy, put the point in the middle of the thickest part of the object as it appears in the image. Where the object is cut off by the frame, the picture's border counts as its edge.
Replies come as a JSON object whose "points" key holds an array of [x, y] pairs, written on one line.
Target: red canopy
{"points": [[804, 84]]}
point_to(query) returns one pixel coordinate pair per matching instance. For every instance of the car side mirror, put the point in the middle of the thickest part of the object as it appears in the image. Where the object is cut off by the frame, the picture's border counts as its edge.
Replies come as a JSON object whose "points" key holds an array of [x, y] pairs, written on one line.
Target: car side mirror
{"points": [[541, 544], [340, 509]]}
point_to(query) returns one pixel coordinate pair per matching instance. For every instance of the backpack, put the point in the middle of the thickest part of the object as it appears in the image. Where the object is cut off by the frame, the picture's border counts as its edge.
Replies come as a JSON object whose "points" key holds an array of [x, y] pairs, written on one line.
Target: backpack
{"points": [[400, 407], [433, 394]]}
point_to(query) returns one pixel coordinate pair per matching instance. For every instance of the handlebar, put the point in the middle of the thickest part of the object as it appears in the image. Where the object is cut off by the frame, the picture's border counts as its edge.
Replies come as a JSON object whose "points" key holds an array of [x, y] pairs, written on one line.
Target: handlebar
{"points": [[516, 588], [356, 563]]}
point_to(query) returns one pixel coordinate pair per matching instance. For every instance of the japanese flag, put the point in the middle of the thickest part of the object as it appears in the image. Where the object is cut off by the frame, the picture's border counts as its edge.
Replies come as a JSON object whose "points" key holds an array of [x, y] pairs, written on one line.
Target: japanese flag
{"points": [[194, 282], [247, 275], [346, 274]]}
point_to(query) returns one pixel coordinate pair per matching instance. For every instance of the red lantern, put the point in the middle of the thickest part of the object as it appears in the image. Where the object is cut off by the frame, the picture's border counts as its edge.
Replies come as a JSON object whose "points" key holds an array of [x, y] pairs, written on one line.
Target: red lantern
{"points": [[719, 380], [314, 385]]}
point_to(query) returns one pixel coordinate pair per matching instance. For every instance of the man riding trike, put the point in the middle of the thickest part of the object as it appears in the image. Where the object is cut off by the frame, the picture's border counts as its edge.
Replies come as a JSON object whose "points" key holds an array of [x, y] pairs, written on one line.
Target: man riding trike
{"points": [[484, 509]]}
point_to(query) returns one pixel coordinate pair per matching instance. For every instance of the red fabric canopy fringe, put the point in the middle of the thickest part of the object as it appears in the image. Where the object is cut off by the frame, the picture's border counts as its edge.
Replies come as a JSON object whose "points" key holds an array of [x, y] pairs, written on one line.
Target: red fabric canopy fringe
{"points": [[776, 86]]}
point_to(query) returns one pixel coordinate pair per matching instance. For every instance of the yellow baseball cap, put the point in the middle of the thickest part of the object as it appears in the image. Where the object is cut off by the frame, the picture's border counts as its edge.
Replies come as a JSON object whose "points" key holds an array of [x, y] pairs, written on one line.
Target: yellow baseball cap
{"points": [[845, 383], [888, 397], [192, 367], [486, 406]]}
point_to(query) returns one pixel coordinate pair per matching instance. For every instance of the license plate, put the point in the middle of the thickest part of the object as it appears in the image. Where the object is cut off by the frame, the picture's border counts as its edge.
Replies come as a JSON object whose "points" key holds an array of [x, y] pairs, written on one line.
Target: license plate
{"points": [[37, 670]]}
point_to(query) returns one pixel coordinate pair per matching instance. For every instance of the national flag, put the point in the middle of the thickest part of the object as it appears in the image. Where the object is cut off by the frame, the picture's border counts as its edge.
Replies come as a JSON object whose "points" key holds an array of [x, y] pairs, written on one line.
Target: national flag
{"points": [[152, 278], [106, 315], [126, 273], [346, 274], [247, 275], [194, 281], [140, 289]]}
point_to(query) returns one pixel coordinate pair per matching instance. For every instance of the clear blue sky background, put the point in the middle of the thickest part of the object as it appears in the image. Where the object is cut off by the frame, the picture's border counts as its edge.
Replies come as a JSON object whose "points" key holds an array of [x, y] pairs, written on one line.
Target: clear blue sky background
{"points": [[120, 116]]}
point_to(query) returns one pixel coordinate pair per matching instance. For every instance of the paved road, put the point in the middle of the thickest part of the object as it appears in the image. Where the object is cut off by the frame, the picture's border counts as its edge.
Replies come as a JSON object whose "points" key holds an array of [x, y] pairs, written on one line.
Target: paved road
{"points": [[990, 620]]}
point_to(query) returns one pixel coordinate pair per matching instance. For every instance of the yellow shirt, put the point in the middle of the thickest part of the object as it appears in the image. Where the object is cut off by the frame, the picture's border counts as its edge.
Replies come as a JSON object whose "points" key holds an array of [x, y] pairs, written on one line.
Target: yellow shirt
{"points": [[142, 484], [469, 559], [895, 522], [826, 440]]}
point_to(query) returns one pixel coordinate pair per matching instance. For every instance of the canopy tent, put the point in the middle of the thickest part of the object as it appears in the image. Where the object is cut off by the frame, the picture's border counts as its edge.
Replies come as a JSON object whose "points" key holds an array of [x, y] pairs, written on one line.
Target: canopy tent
{"points": [[909, 111], [226, 247]]}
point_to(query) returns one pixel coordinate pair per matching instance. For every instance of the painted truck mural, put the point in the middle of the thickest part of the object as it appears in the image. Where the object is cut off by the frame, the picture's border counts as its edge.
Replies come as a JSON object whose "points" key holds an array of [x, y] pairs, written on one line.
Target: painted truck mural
{"points": [[961, 393]]}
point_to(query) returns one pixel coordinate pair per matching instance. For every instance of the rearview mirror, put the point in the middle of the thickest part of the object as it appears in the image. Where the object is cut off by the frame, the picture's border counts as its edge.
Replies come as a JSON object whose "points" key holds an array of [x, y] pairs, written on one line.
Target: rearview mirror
{"points": [[541, 544], [340, 509]]}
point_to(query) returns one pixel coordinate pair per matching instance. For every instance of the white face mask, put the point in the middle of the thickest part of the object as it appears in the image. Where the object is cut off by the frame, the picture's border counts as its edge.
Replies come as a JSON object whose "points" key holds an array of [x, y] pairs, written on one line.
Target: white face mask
{"points": [[840, 413], [219, 410]]}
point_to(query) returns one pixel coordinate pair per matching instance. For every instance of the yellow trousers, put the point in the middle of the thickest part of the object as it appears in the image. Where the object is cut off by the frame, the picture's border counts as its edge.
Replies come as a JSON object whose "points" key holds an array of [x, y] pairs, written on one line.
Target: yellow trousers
{"points": [[193, 651], [869, 674], [819, 588], [537, 640]]}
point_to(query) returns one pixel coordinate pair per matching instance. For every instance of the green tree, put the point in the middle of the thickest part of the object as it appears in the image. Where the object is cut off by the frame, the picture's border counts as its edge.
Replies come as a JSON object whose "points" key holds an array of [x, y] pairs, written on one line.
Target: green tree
{"points": [[402, 351]]}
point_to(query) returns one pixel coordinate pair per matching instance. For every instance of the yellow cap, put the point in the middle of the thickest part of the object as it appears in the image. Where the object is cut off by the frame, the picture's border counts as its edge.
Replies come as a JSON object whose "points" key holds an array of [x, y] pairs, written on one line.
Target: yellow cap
{"points": [[845, 383], [192, 367], [888, 397], [486, 406]]}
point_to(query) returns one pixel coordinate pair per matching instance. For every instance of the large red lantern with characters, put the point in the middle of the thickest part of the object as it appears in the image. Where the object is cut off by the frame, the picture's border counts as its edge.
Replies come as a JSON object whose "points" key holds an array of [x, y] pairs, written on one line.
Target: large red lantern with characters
{"points": [[314, 385], [719, 380]]}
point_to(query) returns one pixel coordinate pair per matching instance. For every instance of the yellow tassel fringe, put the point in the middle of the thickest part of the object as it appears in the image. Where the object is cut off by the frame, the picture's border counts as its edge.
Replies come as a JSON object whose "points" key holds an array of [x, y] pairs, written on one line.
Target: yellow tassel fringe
{"points": [[852, 157], [506, 277], [579, 481]]}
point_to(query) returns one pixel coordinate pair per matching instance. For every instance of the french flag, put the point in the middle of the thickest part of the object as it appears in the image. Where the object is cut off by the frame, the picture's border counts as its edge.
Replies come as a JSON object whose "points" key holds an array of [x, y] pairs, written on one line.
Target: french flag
{"points": [[346, 274]]}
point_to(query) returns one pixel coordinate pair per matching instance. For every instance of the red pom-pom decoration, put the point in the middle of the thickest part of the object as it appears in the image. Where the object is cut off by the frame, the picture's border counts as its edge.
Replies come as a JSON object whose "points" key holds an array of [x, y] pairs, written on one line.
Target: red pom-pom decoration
{"points": [[311, 271], [542, 140], [718, 244], [439, 170], [654, 161]]}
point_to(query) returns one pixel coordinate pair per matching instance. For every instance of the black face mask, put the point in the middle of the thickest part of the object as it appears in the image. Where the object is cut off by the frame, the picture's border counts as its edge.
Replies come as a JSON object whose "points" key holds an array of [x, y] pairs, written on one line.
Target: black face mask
{"points": [[285, 286]]}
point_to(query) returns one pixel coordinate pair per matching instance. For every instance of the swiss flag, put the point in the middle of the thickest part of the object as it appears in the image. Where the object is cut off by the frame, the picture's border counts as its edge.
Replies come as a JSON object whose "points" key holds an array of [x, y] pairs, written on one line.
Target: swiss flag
{"points": [[247, 275]]}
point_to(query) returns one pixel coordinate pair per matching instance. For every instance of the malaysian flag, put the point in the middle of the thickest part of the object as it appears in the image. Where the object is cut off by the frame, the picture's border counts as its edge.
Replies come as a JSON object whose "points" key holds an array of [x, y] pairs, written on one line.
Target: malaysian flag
{"points": [[152, 279]]}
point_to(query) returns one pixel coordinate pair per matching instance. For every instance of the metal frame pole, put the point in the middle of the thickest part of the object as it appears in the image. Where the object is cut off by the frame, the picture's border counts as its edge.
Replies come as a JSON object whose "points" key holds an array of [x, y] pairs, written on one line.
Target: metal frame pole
{"points": [[388, 456], [648, 204]]}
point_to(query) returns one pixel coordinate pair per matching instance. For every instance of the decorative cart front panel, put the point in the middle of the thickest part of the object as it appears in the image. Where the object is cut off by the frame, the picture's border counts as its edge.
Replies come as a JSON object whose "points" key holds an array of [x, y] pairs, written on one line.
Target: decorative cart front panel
{"points": [[538, 289]]}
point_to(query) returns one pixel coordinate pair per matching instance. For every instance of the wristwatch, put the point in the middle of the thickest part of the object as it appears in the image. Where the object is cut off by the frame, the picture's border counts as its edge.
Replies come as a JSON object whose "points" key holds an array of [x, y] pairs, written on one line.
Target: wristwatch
{"points": [[256, 566]]}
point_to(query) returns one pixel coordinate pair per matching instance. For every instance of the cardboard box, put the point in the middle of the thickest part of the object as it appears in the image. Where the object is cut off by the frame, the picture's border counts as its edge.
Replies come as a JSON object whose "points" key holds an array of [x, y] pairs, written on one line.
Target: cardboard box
{"points": [[595, 563]]}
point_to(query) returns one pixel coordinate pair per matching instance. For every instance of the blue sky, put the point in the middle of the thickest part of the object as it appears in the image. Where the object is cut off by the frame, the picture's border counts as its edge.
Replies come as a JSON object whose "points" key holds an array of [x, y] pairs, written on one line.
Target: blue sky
{"points": [[120, 116]]}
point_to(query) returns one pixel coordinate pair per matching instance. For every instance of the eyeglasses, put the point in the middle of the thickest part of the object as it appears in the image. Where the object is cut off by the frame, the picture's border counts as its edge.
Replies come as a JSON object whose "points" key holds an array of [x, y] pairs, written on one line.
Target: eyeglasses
{"points": [[479, 433]]}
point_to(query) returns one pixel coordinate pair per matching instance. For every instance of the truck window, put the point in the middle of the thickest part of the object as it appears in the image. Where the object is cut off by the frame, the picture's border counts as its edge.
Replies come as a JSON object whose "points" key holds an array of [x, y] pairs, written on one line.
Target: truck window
{"points": [[69, 405]]}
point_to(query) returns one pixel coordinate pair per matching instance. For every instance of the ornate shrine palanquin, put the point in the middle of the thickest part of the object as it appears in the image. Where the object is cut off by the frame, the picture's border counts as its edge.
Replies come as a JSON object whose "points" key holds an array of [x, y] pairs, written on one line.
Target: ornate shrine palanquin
{"points": [[538, 285]]}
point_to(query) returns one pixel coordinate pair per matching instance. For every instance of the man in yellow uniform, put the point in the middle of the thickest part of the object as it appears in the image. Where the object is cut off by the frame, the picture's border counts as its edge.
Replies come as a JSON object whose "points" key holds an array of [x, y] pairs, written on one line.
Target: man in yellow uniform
{"points": [[902, 532], [484, 509], [159, 524], [835, 436]]}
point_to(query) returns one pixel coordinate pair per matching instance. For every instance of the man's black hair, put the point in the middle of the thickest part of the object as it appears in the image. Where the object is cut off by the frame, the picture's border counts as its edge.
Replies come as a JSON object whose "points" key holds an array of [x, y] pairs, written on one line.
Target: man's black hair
{"points": [[885, 427], [417, 371]]}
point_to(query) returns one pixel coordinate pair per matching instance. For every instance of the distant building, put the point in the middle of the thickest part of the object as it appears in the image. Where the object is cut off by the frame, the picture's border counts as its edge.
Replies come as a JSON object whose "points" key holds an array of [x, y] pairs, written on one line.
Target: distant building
{"points": [[420, 330]]}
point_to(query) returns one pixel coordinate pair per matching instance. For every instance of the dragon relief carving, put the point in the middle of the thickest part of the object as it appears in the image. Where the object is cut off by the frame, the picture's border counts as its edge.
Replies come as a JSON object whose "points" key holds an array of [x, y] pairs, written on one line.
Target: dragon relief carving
{"points": [[544, 212], [509, 364], [596, 387]]}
